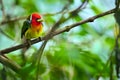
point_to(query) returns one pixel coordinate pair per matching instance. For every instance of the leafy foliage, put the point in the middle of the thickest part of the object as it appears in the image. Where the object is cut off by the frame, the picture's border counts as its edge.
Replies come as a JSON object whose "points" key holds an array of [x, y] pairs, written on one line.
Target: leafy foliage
{"points": [[84, 53]]}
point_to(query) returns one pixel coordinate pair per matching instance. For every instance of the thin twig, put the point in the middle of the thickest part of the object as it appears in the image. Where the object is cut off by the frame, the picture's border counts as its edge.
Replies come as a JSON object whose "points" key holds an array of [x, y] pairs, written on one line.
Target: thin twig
{"points": [[1, 31], [3, 9], [61, 11], [74, 12], [12, 20], [39, 57], [82, 6]]}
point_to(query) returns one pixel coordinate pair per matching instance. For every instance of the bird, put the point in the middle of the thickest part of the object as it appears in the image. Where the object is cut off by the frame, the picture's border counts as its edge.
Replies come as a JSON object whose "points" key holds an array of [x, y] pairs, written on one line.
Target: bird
{"points": [[32, 26]]}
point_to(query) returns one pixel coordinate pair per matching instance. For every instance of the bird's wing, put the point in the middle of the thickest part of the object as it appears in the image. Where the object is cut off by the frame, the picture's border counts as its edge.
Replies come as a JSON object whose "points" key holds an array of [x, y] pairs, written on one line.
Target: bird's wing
{"points": [[26, 26]]}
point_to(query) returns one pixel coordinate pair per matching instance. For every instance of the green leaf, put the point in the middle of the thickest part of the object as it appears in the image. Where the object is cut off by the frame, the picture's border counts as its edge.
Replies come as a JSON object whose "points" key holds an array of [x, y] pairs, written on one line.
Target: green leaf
{"points": [[57, 73]]}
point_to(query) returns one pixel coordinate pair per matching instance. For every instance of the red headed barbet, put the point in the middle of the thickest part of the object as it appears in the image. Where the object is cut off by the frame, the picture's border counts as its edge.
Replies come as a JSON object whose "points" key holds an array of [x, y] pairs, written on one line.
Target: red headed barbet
{"points": [[32, 26]]}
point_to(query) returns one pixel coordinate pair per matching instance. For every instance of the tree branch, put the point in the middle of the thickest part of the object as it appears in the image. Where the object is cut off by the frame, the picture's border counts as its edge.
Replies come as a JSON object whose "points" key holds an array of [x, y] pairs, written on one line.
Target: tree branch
{"points": [[9, 63], [66, 29], [12, 20], [91, 19]]}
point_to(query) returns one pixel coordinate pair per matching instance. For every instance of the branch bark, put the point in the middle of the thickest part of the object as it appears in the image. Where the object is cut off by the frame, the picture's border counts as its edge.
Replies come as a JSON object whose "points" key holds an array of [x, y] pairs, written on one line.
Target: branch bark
{"points": [[66, 29], [91, 19], [9, 63]]}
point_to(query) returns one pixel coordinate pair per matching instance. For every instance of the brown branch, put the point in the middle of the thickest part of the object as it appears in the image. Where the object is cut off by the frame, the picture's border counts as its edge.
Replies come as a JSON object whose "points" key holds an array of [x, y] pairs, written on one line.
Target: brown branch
{"points": [[12, 20], [9, 63], [67, 28], [7, 50], [91, 19]]}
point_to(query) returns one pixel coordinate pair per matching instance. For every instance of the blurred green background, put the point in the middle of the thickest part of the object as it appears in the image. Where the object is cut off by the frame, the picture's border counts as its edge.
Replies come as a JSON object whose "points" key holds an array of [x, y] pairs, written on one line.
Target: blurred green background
{"points": [[83, 53]]}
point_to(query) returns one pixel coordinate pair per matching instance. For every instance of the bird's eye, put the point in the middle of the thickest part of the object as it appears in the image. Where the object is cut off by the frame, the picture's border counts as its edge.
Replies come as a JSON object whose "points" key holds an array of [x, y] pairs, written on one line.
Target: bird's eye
{"points": [[37, 19]]}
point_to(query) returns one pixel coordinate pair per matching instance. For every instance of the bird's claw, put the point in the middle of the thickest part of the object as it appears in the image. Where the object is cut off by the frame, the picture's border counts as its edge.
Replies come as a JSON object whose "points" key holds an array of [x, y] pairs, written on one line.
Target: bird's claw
{"points": [[40, 38]]}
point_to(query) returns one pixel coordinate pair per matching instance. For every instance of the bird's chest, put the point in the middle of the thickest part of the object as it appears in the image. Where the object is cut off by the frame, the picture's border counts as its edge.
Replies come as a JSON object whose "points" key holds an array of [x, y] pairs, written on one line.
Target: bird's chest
{"points": [[33, 33]]}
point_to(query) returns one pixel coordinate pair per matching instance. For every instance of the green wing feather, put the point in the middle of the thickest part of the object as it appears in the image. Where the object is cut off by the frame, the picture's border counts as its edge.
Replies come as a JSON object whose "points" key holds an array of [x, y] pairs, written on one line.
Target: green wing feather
{"points": [[26, 26]]}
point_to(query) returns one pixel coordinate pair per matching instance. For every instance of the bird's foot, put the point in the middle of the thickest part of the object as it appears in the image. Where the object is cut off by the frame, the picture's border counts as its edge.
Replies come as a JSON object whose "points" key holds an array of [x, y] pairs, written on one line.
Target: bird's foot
{"points": [[40, 38]]}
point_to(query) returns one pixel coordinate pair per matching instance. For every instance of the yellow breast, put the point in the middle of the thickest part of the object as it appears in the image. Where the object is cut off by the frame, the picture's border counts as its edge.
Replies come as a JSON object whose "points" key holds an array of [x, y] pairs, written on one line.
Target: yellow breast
{"points": [[33, 32]]}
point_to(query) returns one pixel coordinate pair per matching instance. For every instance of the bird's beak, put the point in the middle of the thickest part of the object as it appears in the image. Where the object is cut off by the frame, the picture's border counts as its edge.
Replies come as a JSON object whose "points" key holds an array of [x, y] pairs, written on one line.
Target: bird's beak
{"points": [[40, 20]]}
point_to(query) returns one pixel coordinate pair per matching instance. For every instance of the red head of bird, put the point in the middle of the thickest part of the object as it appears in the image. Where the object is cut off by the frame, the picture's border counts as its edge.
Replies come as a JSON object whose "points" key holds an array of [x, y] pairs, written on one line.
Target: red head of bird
{"points": [[36, 20]]}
